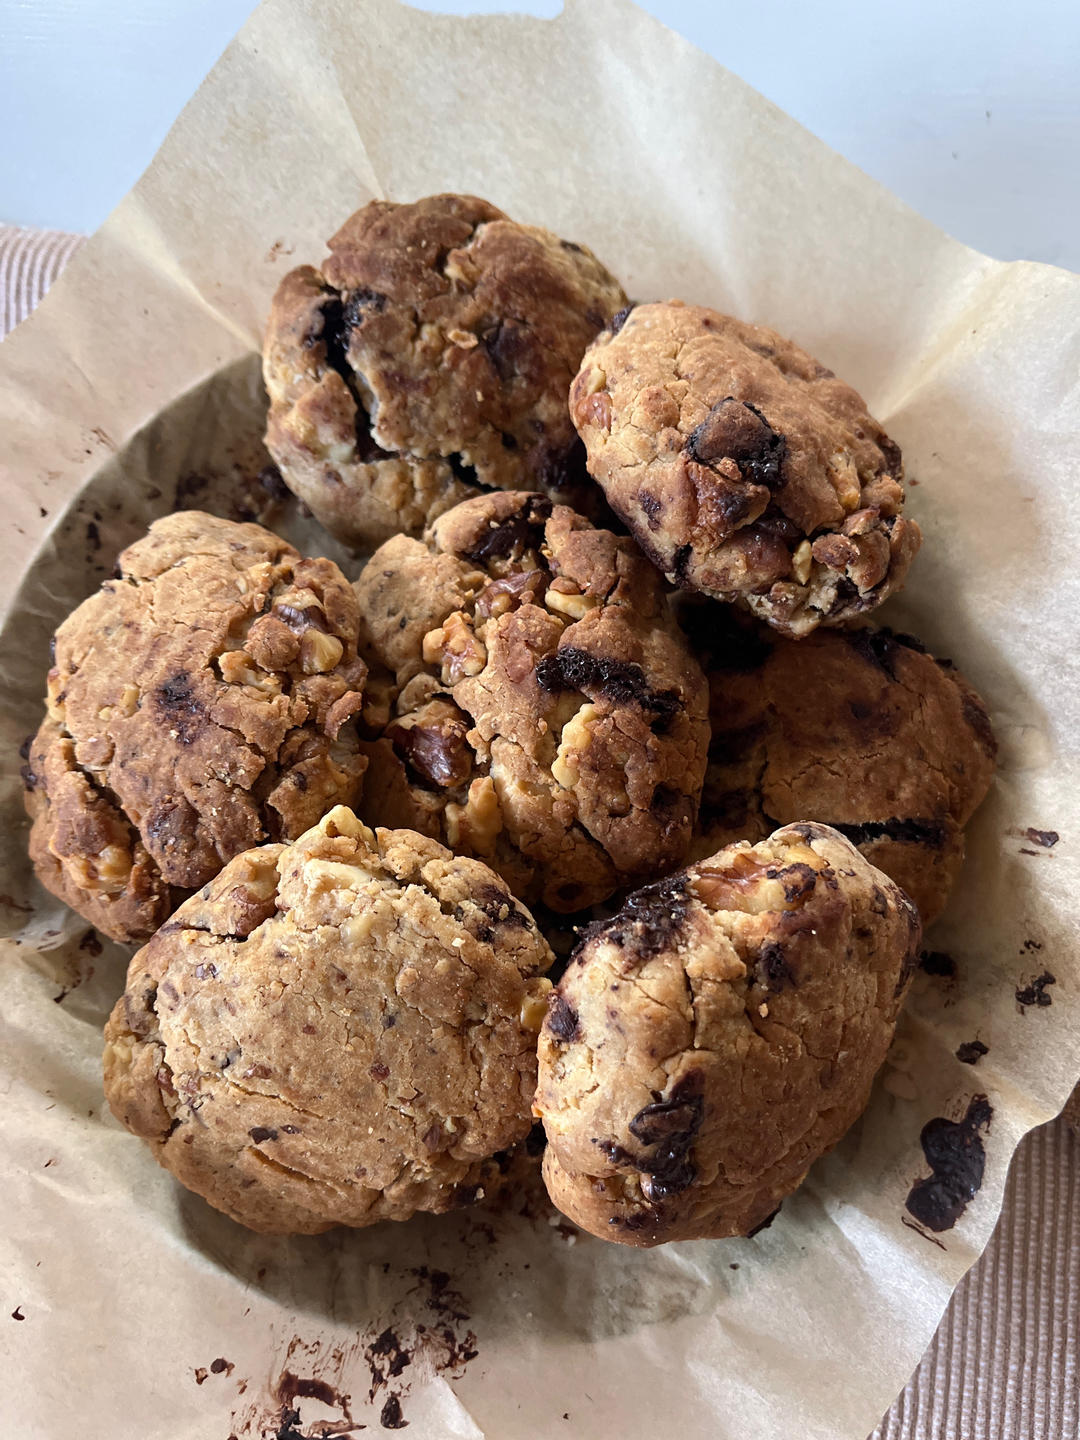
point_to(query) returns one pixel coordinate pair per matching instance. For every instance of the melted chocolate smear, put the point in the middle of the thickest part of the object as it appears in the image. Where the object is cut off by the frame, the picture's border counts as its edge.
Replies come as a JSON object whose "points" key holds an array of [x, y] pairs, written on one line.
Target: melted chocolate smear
{"points": [[647, 923], [520, 532], [181, 711], [957, 1158], [910, 832], [971, 1052], [771, 970], [1046, 839], [670, 1126], [620, 681], [387, 1357], [1035, 992]]}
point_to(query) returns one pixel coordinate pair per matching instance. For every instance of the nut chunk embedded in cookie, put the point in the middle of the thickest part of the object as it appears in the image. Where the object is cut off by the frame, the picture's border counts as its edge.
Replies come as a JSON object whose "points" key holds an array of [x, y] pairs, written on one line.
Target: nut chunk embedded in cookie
{"points": [[743, 467], [545, 711], [858, 728], [333, 1032], [430, 356], [198, 704], [720, 1033]]}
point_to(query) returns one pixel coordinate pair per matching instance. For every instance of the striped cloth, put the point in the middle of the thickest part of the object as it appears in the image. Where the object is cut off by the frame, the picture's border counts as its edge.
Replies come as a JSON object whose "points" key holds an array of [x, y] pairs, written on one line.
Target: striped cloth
{"points": [[1005, 1362]]}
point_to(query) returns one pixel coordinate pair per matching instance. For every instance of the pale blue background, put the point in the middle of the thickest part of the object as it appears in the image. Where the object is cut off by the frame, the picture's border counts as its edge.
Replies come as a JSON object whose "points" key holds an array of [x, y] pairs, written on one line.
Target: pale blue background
{"points": [[967, 109]]}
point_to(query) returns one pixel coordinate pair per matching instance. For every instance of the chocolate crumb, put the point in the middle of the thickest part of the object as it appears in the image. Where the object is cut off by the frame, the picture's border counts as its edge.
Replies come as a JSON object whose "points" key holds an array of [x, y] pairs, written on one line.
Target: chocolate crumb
{"points": [[971, 1052], [390, 1417], [1046, 839], [1035, 992], [17, 1314], [262, 1132]]}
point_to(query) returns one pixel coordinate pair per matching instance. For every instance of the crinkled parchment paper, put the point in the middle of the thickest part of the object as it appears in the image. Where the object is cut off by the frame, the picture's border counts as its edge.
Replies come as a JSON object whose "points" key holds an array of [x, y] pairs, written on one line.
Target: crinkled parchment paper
{"points": [[130, 1308]]}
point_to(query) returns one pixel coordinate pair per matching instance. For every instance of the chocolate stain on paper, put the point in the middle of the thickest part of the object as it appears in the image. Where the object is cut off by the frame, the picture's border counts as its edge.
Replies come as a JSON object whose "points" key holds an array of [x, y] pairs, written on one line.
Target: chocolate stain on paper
{"points": [[311, 1396]]}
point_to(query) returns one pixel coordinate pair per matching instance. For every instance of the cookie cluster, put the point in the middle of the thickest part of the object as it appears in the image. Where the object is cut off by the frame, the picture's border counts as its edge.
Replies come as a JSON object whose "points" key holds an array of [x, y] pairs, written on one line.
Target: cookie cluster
{"points": [[346, 819]]}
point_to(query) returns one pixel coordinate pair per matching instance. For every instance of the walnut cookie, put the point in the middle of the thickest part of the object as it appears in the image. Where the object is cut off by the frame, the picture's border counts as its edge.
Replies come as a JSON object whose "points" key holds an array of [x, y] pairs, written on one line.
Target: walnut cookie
{"points": [[333, 1032], [859, 728], [197, 705], [544, 712], [428, 358], [743, 467], [713, 1039]]}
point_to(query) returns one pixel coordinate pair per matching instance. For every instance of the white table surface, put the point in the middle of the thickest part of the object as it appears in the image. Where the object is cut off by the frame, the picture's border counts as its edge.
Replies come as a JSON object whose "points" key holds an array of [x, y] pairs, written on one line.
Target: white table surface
{"points": [[967, 109]]}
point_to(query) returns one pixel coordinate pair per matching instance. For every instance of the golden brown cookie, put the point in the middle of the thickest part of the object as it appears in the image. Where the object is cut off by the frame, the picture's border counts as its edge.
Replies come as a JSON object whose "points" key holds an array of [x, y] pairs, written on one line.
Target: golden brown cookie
{"points": [[743, 467], [197, 705], [333, 1032], [718, 1035], [544, 712], [430, 356], [859, 728]]}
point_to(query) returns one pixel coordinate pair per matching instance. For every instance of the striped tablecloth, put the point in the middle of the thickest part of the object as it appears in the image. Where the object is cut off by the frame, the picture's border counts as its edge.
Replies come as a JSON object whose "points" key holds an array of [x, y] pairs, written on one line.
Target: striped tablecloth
{"points": [[1005, 1362]]}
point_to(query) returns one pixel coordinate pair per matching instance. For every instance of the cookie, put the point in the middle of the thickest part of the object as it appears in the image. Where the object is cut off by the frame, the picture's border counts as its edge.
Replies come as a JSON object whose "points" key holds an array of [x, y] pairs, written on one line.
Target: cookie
{"points": [[333, 1032], [858, 728], [744, 468], [543, 711], [428, 358], [198, 704], [719, 1034]]}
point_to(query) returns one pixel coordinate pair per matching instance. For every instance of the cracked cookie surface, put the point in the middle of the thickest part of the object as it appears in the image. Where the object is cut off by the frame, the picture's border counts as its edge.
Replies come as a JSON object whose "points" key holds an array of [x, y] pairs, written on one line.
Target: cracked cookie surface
{"points": [[543, 709], [720, 1033], [860, 729], [198, 704], [428, 357], [744, 468], [333, 1032]]}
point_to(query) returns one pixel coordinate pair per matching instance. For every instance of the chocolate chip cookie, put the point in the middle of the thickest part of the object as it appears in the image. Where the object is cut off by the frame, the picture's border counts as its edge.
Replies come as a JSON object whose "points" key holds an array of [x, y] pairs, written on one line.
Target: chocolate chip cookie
{"points": [[718, 1035], [858, 728], [333, 1032], [429, 357], [743, 467], [197, 705], [543, 711]]}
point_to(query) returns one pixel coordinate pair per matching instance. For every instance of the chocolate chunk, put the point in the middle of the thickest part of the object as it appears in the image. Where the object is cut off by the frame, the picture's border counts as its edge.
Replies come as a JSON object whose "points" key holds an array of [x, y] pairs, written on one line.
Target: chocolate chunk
{"points": [[797, 880], [260, 1133], [971, 1051], [619, 319], [390, 1416], [620, 681], [957, 1158], [461, 470], [736, 430], [562, 1019], [519, 532], [1035, 992]]}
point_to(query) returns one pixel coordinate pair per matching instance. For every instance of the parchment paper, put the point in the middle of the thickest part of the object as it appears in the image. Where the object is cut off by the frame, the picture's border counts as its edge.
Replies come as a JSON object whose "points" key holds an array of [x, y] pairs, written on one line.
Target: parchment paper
{"points": [[130, 1309]]}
